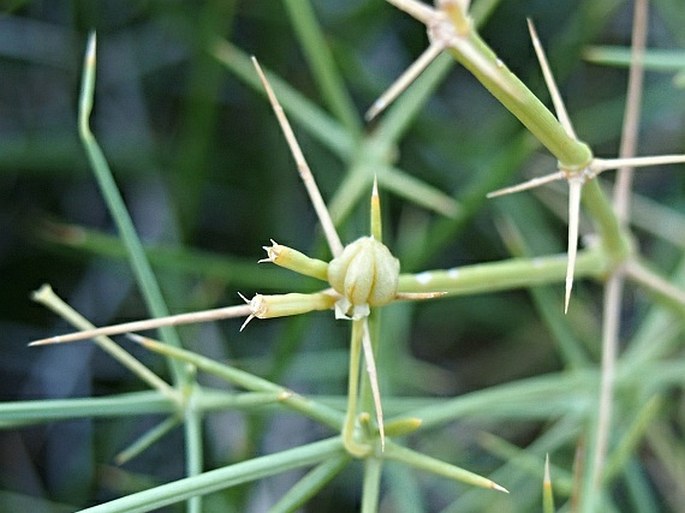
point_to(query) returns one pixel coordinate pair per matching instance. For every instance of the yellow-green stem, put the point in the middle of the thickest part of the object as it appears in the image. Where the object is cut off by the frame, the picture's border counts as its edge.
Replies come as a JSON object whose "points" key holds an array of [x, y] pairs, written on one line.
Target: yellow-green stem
{"points": [[505, 275], [348, 433], [476, 56], [615, 239]]}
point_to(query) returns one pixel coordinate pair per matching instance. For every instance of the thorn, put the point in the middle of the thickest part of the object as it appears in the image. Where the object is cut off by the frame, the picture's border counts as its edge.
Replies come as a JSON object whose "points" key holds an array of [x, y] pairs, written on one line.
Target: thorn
{"points": [[499, 488], [600, 165], [376, 108], [558, 102], [302, 167], [91, 48], [574, 189], [417, 10], [372, 372], [227, 312], [376, 220], [249, 318], [142, 340], [138, 339], [269, 250], [404, 80], [46, 341], [547, 480], [530, 184]]}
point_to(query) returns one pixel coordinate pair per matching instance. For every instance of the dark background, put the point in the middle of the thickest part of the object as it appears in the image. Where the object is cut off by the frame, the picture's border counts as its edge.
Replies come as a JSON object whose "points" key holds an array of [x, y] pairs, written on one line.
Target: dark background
{"points": [[204, 171]]}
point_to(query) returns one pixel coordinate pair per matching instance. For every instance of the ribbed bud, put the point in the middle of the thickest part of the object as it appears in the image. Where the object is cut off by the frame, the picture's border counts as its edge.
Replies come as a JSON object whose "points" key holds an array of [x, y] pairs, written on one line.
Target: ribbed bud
{"points": [[365, 274]]}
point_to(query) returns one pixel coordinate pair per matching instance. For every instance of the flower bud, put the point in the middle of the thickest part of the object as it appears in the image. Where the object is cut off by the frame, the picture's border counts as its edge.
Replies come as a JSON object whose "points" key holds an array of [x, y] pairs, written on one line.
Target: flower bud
{"points": [[365, 274]]}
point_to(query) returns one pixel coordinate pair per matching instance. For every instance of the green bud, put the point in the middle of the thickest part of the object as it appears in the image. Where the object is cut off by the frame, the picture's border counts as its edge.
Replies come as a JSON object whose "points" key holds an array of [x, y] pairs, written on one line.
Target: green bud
{"points": [[365, 274]]}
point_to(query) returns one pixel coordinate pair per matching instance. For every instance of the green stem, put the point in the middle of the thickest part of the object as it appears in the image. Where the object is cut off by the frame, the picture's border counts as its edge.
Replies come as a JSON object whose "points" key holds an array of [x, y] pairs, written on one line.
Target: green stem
{"points": [[192, 428], [149, 438], [476, 56], [21, 413], [306, 487], [249, 381], [373, 468], [321, 63], [632, 436], [423, 462], [349, 427], [614, 238], [504, 275], [222, 478], [115, 203], [47, 297]]}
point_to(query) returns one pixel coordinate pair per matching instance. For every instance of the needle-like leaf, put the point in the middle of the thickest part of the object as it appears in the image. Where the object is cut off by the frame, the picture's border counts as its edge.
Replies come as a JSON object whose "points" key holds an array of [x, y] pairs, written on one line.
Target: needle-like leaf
{"points": [[575, 186], [403, 81], [530, 184], [302, 167], [600, 165], [149, 324], [373, 380], [547, 495], [415, 9], [559, 106]]}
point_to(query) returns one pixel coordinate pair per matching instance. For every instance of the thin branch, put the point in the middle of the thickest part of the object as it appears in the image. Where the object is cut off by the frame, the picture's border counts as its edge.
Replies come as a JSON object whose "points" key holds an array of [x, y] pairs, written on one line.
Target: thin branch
{"points": [[47, 297], [613, 293], [644, 276], [614, 287], [631, 120]]}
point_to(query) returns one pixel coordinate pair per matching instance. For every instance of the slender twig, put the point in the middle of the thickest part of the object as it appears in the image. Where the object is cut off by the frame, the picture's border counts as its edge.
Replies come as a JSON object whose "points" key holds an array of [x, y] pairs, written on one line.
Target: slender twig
{"points": [[139, 264], [47, 297], [614, 288], [631, 120], [637, 272]]}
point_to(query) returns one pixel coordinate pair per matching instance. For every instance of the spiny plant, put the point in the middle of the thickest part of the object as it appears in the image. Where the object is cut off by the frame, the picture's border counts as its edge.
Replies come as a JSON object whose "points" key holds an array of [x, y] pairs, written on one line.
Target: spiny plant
{"points": [[364, 275]]}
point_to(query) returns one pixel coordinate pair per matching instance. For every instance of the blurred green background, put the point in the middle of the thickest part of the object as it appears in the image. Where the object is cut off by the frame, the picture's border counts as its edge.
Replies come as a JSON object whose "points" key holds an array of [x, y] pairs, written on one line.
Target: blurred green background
{"points": [[208, 180]]}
